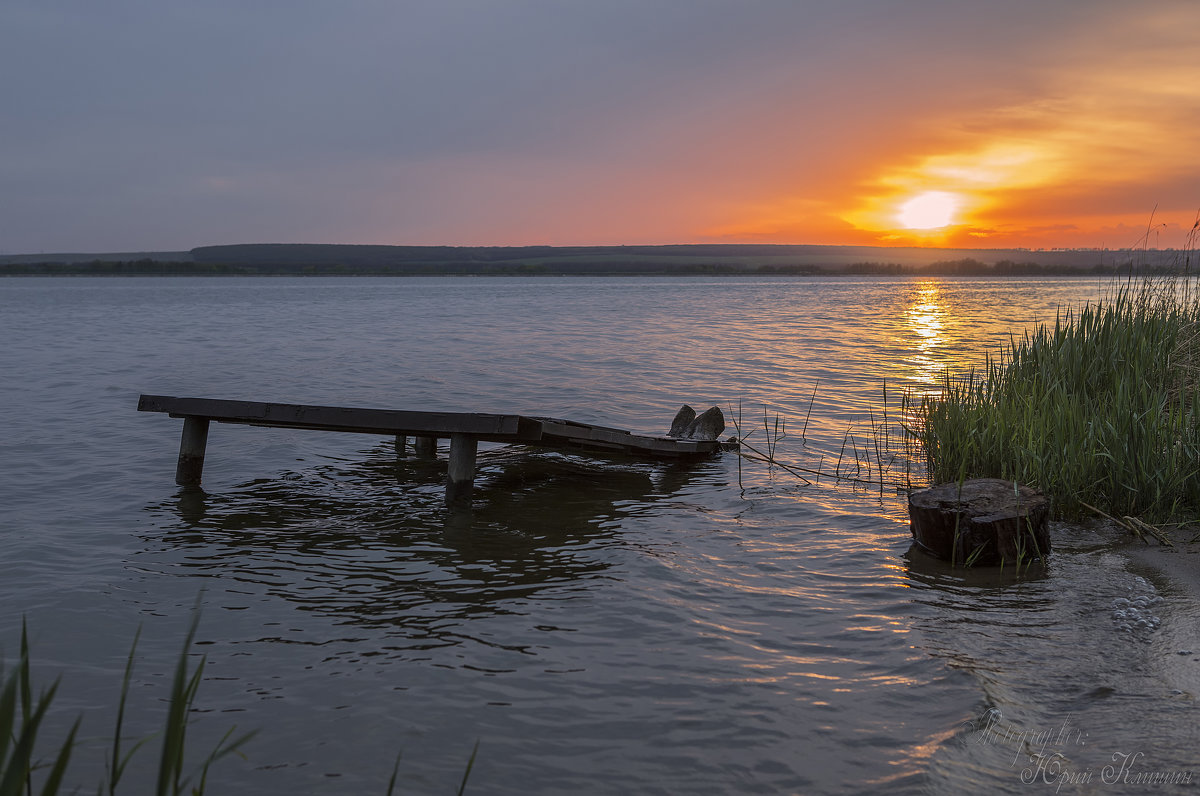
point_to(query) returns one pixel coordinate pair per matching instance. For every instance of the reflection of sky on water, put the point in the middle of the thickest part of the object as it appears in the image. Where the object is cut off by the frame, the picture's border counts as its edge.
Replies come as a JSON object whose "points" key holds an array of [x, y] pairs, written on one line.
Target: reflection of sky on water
{"points": [[925, 317], [678, 627], [941, 325], [378, 550]]}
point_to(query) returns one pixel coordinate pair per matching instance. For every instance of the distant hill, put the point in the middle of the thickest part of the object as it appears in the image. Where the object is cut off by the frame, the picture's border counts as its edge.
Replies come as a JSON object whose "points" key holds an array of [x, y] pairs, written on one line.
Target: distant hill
{"points": [[682, 259], [108, 257], [667, 259]]}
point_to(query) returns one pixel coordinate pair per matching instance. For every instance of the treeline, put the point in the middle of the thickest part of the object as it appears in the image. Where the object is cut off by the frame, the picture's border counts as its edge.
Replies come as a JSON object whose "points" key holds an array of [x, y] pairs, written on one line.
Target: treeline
{"points": [[359, 255], [143, 267], [972, 267], [559, 266], [579, 268]]}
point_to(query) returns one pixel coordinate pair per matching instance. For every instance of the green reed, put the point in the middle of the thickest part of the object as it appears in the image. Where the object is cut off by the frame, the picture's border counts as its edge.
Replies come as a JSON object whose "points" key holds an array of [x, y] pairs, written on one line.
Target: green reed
{"points": [[31, 763], [20, 720], [1099, 410], [873, 456], [23, 771]]}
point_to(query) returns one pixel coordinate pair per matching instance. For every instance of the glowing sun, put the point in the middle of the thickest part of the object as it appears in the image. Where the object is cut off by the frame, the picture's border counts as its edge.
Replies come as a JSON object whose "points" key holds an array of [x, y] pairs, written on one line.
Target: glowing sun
{"points": [[929, 210]]}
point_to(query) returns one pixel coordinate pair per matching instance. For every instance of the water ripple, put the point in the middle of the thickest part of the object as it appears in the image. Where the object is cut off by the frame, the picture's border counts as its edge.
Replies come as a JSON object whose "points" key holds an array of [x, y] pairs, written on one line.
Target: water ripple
{"points": [[599, 625]]}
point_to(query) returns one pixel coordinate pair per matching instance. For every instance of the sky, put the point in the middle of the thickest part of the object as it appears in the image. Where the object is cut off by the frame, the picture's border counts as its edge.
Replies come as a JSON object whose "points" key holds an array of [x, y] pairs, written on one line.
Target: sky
{"points": [[141, 125]]}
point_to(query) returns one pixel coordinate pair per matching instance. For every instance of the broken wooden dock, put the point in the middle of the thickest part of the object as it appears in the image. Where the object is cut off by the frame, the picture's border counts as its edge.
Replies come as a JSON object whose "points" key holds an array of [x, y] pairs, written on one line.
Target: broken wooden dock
{"points": [[464, 430]]}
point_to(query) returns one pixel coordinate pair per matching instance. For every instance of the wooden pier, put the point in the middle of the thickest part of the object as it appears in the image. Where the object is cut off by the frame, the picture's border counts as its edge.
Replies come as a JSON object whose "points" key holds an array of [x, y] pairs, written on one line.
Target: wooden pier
{"points": [[464, 430]]}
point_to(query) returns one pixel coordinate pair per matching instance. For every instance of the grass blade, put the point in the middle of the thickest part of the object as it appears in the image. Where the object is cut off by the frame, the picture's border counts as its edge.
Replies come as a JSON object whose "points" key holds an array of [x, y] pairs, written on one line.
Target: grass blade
{"points": [[470, 764]]}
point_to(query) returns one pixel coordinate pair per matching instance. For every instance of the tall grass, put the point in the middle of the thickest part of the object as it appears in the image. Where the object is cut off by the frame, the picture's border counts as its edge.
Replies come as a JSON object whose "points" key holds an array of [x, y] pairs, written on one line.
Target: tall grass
{"points": [[24, 771], [865, 462], [20, 720], [1099, 410], [32, 763]]}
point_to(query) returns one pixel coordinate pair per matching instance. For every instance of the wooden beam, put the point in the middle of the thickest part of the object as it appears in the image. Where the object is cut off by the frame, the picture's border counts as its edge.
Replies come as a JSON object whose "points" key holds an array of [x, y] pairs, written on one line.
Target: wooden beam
{"points": [[581, 435], [499, 428], [465, 431]]}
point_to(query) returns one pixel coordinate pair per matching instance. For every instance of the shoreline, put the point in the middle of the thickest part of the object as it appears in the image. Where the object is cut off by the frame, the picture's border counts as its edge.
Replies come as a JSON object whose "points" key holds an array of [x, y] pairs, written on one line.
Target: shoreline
{"points": [[170, 270], [648, 260]]}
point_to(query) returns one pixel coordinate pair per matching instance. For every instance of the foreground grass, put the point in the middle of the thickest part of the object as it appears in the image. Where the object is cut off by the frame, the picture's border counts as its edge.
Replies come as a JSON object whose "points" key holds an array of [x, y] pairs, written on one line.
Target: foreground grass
{"points": [[31, 763], [1101, 410], [23, 770]]}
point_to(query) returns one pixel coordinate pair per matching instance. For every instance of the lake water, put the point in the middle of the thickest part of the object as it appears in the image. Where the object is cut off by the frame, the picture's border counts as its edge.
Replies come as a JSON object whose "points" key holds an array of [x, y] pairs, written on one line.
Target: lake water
{"points": [[597, 626]]}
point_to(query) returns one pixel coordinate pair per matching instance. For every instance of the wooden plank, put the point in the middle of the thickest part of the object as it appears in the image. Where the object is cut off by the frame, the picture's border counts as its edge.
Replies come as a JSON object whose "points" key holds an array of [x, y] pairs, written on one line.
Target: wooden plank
{"points": [[571, 434], [492, 427], [593, 445], [425, 427], [576, 424]]}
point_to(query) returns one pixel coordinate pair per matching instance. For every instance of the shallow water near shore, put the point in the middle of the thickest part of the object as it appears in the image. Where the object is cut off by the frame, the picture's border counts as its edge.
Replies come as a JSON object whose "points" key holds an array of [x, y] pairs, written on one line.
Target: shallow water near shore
{"points": [[597, 625]]}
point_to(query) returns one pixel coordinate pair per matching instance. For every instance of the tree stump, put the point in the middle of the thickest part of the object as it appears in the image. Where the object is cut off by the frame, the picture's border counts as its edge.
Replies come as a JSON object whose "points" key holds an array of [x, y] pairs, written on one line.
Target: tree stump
{"points": [[983, 521], [683, 419], [706, 426]]}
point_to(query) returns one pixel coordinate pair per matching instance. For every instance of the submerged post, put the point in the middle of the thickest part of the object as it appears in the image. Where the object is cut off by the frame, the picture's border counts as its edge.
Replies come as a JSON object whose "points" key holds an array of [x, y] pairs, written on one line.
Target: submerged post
{"points": [[401, 444], [191, 451], [460, 479], [425, 446]]}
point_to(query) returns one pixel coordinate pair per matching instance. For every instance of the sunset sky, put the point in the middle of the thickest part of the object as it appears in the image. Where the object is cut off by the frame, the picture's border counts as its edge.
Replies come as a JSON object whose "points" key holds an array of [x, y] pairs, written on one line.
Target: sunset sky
{"points": [[164, 124]]}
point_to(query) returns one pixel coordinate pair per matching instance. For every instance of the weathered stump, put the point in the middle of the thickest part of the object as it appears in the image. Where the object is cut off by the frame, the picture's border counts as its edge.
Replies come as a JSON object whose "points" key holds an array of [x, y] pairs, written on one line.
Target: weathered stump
{"points": [[683, 419], [984, 521], [705, 426]]}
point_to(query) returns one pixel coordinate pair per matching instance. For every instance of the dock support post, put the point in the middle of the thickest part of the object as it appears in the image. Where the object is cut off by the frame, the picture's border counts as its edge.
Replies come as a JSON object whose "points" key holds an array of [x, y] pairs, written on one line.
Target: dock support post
{"points": [[191, 451], [401, 444], [425, 446], [460, 479]]}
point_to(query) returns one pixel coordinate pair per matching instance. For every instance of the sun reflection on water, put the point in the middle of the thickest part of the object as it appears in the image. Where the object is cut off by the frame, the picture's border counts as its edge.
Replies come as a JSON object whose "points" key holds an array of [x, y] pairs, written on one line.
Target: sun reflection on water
{"points": [[926, 317]]}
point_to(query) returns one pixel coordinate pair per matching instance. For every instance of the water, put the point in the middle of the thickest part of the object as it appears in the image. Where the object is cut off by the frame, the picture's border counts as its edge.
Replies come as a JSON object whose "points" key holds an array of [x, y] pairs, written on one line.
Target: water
{"points": [[597, 626]]}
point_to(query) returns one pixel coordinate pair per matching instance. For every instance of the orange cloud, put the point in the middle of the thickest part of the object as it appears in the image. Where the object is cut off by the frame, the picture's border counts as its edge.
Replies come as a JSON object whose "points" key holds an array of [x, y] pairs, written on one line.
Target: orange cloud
{"points": [[1098, 140]]}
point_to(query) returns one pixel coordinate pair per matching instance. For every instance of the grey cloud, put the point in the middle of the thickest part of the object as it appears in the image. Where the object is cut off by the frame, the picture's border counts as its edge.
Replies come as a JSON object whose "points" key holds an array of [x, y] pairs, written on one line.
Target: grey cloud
{"points": [[123, 100]]}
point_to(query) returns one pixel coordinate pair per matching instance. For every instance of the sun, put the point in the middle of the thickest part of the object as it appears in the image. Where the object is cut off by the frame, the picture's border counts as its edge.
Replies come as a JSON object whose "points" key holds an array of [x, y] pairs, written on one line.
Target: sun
{"points": [[929, 210]]}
